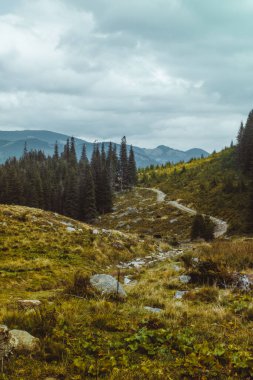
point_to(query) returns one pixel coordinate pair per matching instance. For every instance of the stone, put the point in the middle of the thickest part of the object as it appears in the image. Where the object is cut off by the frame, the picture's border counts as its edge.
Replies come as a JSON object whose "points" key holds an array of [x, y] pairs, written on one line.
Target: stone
{"points": [[153, 309], [180, 294], [107, 285], [243, 282], [185, 279], [5, 347], [28, 304], [121, 224], [70, 229], [22, 341]]}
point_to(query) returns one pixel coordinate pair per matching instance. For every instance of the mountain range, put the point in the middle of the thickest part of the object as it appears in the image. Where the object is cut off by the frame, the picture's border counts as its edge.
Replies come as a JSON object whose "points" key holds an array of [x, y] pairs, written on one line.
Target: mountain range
{"points": [[12, 145]]}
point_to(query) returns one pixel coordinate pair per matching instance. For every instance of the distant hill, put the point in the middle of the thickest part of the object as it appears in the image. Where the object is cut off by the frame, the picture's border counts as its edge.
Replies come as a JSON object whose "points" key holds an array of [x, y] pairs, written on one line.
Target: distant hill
{"points": [[12, 144]]}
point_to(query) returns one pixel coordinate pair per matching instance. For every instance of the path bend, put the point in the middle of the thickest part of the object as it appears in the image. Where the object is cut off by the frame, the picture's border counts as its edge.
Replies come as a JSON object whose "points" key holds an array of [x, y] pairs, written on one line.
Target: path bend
{"points": [[221, 226]]}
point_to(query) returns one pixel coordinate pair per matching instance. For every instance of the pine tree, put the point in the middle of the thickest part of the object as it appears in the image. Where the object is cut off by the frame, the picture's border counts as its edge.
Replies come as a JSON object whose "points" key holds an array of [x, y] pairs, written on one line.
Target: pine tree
{"points": [[72, 152], [71, 195], [84, 155], [246, 144], [56, 151], [132, 171], [87, 201], [123, 164], [96, 167], [66, 151], [239, 144]]}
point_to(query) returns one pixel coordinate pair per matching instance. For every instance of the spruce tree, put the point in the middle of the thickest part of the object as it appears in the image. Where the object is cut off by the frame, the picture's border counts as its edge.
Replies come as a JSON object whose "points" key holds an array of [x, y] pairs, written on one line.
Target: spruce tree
{"points": [[239, 144], [246, 144], [72, 152], [87, 201], [66, 151], [84, 155], [96, 167], [123, 164], [132, 171], [56, 151]]}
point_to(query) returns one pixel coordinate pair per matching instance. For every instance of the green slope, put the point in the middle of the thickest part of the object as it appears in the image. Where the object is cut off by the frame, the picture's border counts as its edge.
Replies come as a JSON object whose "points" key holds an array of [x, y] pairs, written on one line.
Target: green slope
{"points": [[213, 185]]}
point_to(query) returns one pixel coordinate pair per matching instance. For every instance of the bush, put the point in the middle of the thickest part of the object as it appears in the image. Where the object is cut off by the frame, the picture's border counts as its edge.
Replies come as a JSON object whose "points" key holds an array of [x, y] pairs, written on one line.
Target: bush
{"points": [[202, 227], [39, 322], [81, 285], [206, 294]]}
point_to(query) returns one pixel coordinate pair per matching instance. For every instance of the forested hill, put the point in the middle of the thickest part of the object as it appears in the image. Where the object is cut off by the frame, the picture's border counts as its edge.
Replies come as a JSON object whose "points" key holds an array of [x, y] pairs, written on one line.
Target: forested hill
{"points": [[12, 145], [214, 185], [78, 188]]}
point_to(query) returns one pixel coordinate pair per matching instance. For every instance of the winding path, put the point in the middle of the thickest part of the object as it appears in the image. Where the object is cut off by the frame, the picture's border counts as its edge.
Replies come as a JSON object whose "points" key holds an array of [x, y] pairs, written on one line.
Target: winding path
{"points": [[221, 226]]}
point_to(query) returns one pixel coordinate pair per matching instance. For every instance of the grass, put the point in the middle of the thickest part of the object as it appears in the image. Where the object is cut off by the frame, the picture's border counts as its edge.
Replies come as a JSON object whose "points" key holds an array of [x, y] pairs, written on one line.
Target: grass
{"points": [[40, 256], [212, 185], [205, 335], [138, 212]]}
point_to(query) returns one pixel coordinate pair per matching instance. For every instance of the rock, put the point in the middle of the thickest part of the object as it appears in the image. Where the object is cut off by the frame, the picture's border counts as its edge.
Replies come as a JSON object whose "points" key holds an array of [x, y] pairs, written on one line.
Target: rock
{"points": [[107, 285], [22, 341], [180, 294], [185, 279], [153, 309], [28, 304], [5, 346], [121, 224], [129, 281], [242, 281], [176, 267], [118, 245], [70, 229]]}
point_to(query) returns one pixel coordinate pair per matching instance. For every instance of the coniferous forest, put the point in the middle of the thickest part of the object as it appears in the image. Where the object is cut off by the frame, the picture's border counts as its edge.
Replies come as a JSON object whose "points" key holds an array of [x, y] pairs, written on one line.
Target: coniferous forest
{"points": [[80, 189]]}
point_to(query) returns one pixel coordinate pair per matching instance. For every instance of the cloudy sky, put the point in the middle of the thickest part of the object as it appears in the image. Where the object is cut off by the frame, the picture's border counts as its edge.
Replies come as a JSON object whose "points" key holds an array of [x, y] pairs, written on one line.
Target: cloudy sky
{"points": [[172, 72]]}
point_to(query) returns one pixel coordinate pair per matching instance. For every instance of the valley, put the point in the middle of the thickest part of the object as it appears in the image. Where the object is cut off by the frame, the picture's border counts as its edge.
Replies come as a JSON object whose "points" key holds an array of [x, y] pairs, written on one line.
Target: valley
{"points": [[178, 321]]}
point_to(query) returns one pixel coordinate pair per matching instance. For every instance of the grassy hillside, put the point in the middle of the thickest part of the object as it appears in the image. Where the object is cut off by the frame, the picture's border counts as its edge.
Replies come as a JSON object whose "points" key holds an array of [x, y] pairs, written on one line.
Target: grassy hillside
{"points": [[206, 334], [212, 185], [138, 212]]}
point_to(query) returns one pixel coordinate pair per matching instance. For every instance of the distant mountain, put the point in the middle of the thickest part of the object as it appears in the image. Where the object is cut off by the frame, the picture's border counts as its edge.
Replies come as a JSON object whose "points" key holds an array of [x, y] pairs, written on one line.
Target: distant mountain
{"points": [[12, 144]]}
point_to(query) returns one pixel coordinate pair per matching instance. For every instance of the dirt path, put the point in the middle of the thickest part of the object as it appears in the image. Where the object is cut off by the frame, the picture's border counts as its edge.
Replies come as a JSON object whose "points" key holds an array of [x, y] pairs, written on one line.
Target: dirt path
{"points": [[221, 226]]}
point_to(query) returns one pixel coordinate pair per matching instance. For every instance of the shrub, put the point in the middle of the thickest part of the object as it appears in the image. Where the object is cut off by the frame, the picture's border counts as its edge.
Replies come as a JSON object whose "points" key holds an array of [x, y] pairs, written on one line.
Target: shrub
{"points": [[39, 322], [202, 227], [206, 294], [81, 285]]}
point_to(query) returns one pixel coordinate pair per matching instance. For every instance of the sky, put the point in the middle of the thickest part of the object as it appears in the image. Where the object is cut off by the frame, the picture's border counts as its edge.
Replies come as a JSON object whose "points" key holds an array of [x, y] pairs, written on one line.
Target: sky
{"points": [[163, 72]]}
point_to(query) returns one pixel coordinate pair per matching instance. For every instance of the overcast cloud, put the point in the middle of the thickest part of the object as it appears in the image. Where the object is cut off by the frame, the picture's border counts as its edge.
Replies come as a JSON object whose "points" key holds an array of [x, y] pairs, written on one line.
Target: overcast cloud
{"points": [[173, 72]]}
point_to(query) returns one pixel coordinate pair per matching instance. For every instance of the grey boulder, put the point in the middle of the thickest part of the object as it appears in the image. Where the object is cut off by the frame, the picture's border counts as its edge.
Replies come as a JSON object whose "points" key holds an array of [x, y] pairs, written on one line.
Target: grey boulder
{"points": [[22, 341], [107, 285]]}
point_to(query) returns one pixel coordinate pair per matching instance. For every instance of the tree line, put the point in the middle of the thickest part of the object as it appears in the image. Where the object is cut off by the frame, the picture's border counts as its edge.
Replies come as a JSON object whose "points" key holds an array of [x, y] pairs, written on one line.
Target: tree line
{"points": [[244, 153], [81, 189]]}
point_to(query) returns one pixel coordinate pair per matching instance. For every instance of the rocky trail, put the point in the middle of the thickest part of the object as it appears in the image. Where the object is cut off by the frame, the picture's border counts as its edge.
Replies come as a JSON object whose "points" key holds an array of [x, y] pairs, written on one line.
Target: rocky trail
{"points": [[132, 267], [221, 226]]}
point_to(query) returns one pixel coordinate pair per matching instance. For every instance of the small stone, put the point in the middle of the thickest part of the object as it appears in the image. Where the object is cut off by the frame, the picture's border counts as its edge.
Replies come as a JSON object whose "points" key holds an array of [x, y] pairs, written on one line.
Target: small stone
{"points": [[28, 304], [153, 309], [185, 279], [70, 229], [180, 294]]}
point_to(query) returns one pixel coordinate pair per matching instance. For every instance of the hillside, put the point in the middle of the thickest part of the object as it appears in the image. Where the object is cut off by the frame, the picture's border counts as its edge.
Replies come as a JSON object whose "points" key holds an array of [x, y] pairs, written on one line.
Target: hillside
{"points": [[213, 185], [168, 327], [12, 145]]}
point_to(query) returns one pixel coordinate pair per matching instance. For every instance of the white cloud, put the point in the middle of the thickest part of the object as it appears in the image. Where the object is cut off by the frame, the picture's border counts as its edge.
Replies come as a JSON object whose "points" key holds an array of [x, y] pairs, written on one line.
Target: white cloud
{"points": [[158, 72]]}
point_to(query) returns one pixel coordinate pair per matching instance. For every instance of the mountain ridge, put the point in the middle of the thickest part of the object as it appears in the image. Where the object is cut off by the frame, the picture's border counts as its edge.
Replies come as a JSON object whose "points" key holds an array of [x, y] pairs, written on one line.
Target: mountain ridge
{"points": [[12, 145]]}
